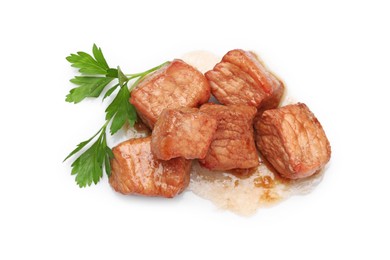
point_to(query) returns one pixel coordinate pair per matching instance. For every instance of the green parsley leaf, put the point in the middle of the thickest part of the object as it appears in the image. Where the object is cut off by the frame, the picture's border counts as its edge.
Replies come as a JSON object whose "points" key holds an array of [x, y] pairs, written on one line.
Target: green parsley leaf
{"points": [[112, 73], [120, 110], [96, 74], [88, 87], [87, 64], [122, 77], [109, 156], [110, 91], [98, 54], [81, 146], [88, 167]]}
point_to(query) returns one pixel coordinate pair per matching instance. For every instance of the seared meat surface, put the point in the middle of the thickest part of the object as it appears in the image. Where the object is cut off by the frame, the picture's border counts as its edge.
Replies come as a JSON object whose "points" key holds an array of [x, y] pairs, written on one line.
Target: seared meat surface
{"points": [[233, 145], [134, 170], [174, 85], [292, 140], [241, 79], [183, 132]]}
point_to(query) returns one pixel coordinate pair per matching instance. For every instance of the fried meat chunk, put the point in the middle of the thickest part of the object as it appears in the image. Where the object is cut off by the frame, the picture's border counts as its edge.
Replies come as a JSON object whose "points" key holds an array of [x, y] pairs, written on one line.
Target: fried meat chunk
{"points": [[134, 170], [233, 145], [292, 140], [177, 84], [241, 79], [183, 132]]}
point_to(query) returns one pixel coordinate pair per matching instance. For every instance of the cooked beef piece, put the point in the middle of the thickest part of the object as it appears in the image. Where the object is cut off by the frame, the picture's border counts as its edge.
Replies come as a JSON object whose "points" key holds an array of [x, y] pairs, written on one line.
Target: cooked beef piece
{"points": [[174, 85], [233, 145], [134, 170], [292, 140], [241, 79], [183, 132]]}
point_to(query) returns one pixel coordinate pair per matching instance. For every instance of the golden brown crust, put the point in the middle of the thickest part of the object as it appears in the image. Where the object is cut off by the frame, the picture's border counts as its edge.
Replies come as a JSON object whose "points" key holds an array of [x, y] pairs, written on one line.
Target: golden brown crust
{"points": [[241, 79], [134, 170], [174, 85], [232, 86], [233, 145], [292, 140], [183, 132]]}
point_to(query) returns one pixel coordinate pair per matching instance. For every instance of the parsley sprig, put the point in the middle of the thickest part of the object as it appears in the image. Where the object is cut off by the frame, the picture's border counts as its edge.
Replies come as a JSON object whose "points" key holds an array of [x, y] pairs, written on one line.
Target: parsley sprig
{"points": [[96, 75]]}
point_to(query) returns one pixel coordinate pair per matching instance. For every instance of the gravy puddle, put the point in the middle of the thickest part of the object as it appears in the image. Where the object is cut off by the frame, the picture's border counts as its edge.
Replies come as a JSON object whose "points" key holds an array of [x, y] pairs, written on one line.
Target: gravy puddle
{"points": [[244, 193]]}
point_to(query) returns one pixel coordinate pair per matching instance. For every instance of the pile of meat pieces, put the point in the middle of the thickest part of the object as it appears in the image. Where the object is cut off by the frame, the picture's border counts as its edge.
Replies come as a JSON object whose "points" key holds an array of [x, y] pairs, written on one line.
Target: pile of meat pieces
{"points": [[173, 102]]}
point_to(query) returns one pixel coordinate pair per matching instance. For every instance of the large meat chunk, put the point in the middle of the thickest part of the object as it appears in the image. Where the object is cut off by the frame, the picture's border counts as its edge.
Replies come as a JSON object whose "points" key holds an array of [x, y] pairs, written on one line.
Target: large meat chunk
{"points": [[183, 132], [292, 140], [134, 170], [233, 145], [175, 85], [241, 79]]}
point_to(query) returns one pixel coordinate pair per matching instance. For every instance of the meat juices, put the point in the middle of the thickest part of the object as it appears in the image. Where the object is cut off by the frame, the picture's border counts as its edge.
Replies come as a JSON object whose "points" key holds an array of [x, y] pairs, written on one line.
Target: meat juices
{"points": [[292, 140], [183, 132], [134, 170], [174, 85], [233, 145], [240, 79]]}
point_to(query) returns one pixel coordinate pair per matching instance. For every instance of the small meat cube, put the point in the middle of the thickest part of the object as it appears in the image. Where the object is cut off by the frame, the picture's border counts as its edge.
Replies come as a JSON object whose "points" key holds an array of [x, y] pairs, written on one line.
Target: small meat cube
{"points": [[134, 170], [174, 85], [292, 140], [241, 79], [183, 132], [233, 145]]}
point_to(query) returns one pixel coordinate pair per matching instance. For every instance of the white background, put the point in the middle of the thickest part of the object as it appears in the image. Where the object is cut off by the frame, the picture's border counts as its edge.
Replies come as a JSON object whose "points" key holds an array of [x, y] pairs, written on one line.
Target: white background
{"points": [[333, 55]]}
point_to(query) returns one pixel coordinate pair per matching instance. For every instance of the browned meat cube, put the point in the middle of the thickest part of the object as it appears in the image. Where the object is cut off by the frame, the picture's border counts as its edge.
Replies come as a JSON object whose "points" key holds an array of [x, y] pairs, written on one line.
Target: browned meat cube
{"points": [[183, 132], [241, 79], [134, 170], [292, 140], [174, 85], [233, 145]]}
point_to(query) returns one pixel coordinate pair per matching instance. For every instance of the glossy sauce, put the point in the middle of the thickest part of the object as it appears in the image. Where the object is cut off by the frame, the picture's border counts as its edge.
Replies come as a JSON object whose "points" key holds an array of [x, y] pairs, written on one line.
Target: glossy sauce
{"points": [[140, 127]]}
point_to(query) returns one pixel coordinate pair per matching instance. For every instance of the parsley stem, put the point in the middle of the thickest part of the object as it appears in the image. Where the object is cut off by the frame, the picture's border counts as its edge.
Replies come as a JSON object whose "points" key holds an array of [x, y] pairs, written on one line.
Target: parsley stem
{"points": [[136, 75], [105, 125], [136, 83]]}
